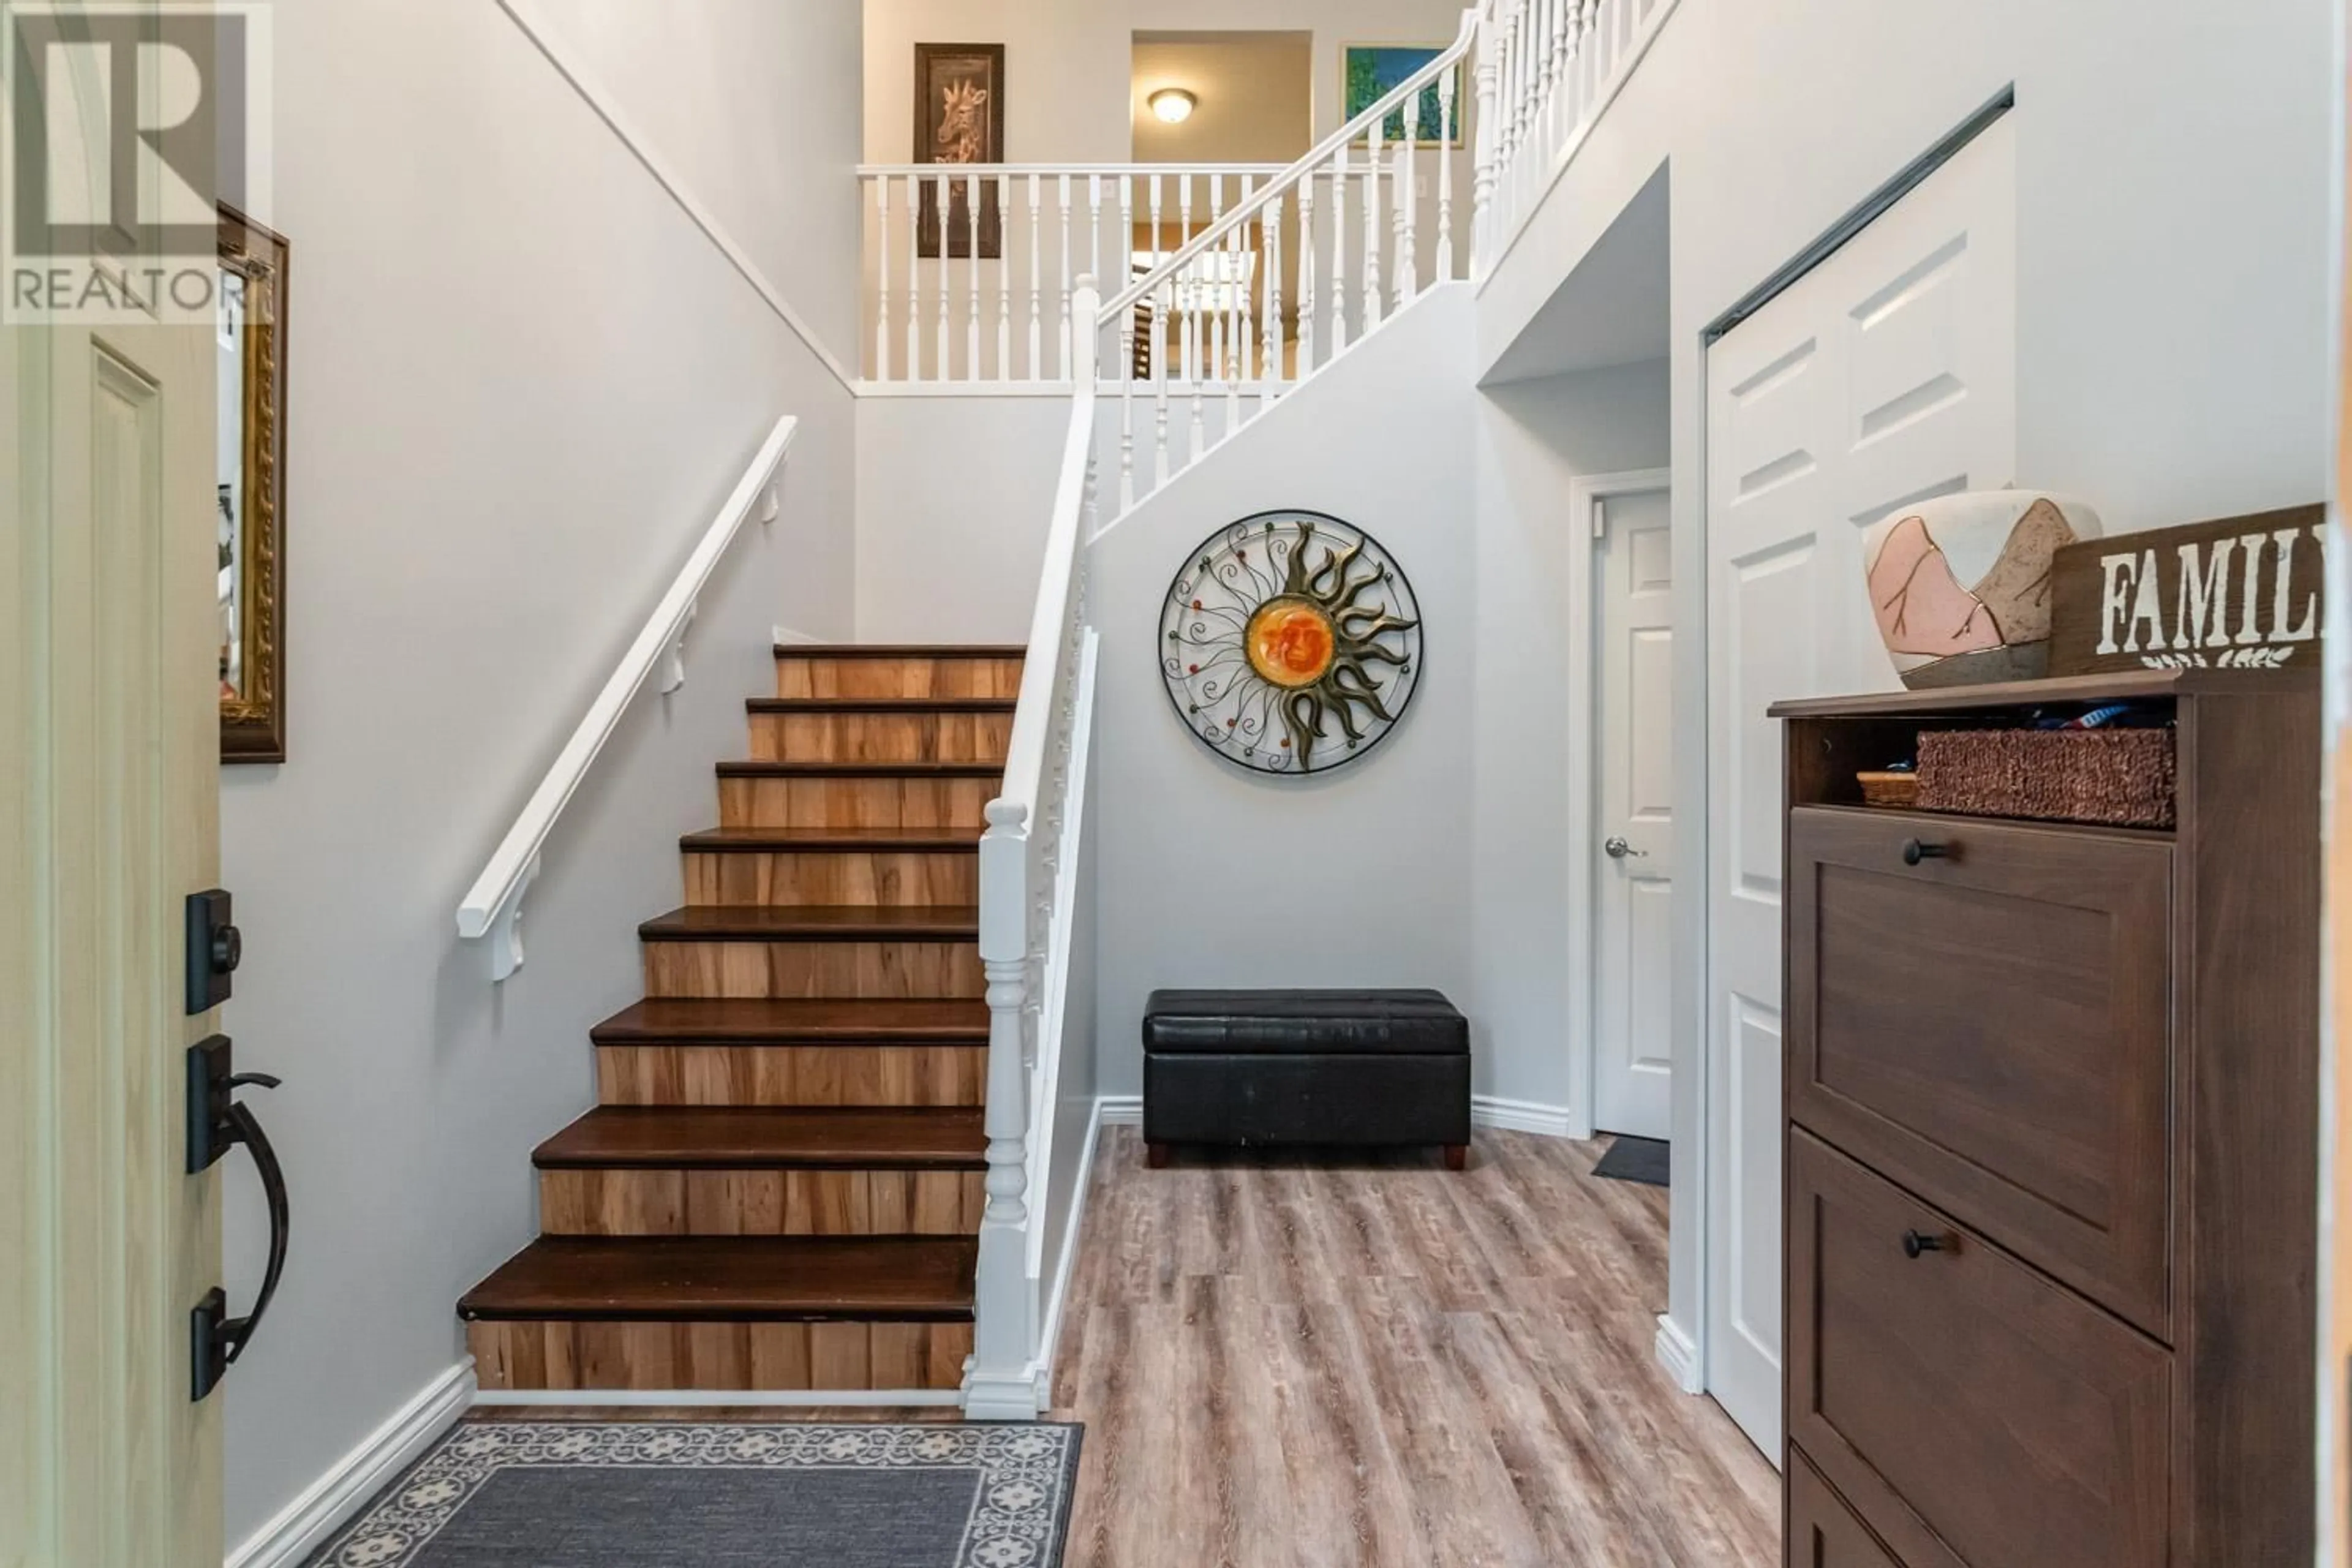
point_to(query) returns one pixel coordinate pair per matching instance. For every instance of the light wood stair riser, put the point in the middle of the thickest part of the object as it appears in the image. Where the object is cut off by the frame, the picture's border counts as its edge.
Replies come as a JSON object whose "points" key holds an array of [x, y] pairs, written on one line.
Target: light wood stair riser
{"points": [[876, 802], [892, 969], [881, 737], [759, 1203], [832, 878], [800, 674], [753, 1356], [806, 1075]]}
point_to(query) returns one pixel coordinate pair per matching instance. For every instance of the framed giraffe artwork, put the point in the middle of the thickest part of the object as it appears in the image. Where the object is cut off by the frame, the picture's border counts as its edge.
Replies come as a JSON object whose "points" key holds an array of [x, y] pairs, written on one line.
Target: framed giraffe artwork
{"points": [[959, 119]]}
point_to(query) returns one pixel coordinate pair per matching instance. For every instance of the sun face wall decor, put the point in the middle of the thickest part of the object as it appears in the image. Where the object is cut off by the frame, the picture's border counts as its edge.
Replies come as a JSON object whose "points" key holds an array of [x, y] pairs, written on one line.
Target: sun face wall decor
{"points": [[1290, 643]]}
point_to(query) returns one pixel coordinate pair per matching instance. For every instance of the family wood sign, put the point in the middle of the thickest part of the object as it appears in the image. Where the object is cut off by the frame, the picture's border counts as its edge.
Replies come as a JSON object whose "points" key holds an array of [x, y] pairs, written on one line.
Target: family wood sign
{"points": [[2241, 593]]}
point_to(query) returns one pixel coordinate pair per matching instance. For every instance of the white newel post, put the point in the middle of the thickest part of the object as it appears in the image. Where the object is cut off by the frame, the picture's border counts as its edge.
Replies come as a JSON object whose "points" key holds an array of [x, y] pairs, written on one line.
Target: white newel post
{"points": [[998, 1384]]}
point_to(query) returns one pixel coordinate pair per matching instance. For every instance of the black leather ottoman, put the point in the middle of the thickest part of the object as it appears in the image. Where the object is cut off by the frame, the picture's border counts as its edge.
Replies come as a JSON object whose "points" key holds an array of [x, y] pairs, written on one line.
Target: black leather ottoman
{"points": [[1366, 1069]]}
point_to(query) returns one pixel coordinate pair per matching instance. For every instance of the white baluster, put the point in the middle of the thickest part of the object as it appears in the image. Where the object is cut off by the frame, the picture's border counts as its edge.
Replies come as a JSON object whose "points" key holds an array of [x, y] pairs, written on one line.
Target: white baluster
{"points": [[1561, 108], [1444, 269], [913, 279], [882, 280], [1407, 204], [1482, 176], [1213, 329], [1270, 258], [1310, 257], [1160, 296], [1339, 290], [1238, 297], [1003, 282], [1094, 243], [1188, 361], [1373, 237], [971, 200], [1160, 323], [947, 351], [1036, 290], [1126, 345], [1068, 359], [1594, 65]]}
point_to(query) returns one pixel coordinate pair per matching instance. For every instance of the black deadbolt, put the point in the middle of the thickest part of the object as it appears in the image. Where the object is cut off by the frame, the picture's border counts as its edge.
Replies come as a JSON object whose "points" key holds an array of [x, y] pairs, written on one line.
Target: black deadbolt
{"points": [[215, 949]]}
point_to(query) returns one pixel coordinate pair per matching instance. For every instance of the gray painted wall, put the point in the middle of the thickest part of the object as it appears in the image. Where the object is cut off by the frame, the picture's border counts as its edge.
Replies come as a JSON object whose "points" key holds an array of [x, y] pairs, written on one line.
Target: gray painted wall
{"points": [[521, 381], [1207, 875]]}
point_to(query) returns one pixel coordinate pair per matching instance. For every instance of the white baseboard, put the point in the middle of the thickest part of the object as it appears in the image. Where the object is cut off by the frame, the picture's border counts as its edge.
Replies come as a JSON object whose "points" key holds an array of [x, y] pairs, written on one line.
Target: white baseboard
{"points": [[1678, 1353], [329, 1503], [779, 1399], [1521, 1116], [1486, 1110]]}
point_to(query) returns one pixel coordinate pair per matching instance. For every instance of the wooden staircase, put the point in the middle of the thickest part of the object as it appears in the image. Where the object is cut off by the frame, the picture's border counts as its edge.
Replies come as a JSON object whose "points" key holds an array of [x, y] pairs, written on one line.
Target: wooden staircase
{"points": [[780, 1185]]}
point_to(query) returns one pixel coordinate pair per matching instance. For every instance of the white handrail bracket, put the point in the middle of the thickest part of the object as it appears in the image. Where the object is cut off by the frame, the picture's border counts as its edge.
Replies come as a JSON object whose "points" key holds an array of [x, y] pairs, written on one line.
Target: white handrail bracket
{"points": [[505, 932], [673, 666]]}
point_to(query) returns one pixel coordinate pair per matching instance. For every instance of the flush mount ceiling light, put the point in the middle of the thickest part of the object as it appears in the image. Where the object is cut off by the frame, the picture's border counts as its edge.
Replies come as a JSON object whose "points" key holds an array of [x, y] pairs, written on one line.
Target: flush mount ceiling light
{"points": [[1172, 104]]}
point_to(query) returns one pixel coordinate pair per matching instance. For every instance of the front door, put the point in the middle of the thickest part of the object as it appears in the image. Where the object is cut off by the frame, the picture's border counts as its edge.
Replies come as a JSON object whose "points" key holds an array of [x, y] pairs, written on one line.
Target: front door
{"points": [[1885, 375], [1633, 929], [108, 781]]}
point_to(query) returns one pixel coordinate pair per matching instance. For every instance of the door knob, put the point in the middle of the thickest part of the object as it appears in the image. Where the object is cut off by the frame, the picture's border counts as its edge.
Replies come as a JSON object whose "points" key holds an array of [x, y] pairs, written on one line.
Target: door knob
{"points": [[1618, 849]]}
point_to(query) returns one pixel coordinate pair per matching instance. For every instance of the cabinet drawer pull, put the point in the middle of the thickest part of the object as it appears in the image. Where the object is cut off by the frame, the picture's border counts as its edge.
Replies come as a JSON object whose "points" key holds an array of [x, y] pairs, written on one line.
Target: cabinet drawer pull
{"points": [[1914, 851], [1914, 1243]]}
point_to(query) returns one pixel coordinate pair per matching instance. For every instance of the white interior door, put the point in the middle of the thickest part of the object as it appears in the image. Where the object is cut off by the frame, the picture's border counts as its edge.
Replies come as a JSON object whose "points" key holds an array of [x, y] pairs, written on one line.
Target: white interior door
{"points": [[1634, 928], [1885, 375]]}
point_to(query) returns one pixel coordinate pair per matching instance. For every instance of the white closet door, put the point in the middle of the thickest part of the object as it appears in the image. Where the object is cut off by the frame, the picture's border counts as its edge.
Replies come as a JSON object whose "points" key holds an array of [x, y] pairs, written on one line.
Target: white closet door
{"points": [[1885, 375]]}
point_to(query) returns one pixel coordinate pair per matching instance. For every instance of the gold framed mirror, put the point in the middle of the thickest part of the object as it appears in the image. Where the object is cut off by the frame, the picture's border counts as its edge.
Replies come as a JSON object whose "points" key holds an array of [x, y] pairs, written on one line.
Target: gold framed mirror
{"points": [[252, 475]]}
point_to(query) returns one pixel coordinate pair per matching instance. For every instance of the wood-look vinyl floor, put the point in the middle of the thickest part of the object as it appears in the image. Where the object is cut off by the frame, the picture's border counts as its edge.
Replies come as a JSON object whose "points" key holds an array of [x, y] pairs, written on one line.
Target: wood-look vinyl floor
{"points": [[1351, 1362], [1373, 1363]]}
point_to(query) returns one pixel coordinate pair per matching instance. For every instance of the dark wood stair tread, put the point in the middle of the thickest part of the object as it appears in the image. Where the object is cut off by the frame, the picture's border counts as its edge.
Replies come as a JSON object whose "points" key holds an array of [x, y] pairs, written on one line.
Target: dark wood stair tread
{"points": [[793, 1021], [732, 1279], [761, 768], [832, 840], [896, 650], [814, 922], [742, 1139], [881, 704]]}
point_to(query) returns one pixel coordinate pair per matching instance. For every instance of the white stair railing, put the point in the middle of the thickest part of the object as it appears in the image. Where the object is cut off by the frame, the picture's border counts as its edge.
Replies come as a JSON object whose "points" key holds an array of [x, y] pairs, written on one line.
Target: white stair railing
{"points": [[987, 299], [492, 910], [1547, 71], [1344, 237], [1025, 913]]}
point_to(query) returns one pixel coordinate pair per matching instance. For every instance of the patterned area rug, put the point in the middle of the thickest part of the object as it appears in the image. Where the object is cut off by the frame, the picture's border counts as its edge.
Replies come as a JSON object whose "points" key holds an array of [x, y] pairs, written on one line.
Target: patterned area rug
{"points": [[574, 1495]]}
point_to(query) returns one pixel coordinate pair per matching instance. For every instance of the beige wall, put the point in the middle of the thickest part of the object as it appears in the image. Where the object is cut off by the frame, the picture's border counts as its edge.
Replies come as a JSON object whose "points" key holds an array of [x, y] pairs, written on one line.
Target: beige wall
{"points": [[1068, 63], [1255, 91]]}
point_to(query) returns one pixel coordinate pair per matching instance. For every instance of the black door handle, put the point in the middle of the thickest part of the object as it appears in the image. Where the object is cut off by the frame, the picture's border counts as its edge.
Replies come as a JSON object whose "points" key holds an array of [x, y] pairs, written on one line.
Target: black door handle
{"points": [[1914, 851], [1914, 1243], [219, 1121]]}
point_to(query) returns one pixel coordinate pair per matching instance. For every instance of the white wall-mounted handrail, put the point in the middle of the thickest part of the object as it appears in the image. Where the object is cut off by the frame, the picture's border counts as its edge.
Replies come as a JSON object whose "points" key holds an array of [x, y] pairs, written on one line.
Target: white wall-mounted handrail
{"points": [[492, 910], [1404, 92]]}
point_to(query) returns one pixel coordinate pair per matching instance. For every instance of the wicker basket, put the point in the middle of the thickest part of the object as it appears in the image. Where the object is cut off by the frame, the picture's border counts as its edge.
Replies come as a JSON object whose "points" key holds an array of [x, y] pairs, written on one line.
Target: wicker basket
{"points": [[2119, 778], [1889, 791]]}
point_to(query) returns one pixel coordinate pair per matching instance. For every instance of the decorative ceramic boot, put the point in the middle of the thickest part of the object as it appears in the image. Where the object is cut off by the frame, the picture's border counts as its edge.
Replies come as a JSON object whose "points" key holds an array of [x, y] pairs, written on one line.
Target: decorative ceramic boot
{"points": [[1960, 584]]}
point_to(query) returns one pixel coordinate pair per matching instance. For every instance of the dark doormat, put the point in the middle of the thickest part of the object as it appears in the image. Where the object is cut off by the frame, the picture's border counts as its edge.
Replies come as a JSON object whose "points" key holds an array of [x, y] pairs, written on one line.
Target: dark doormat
{"points": [[574, 1495], [1636, 1160]]}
